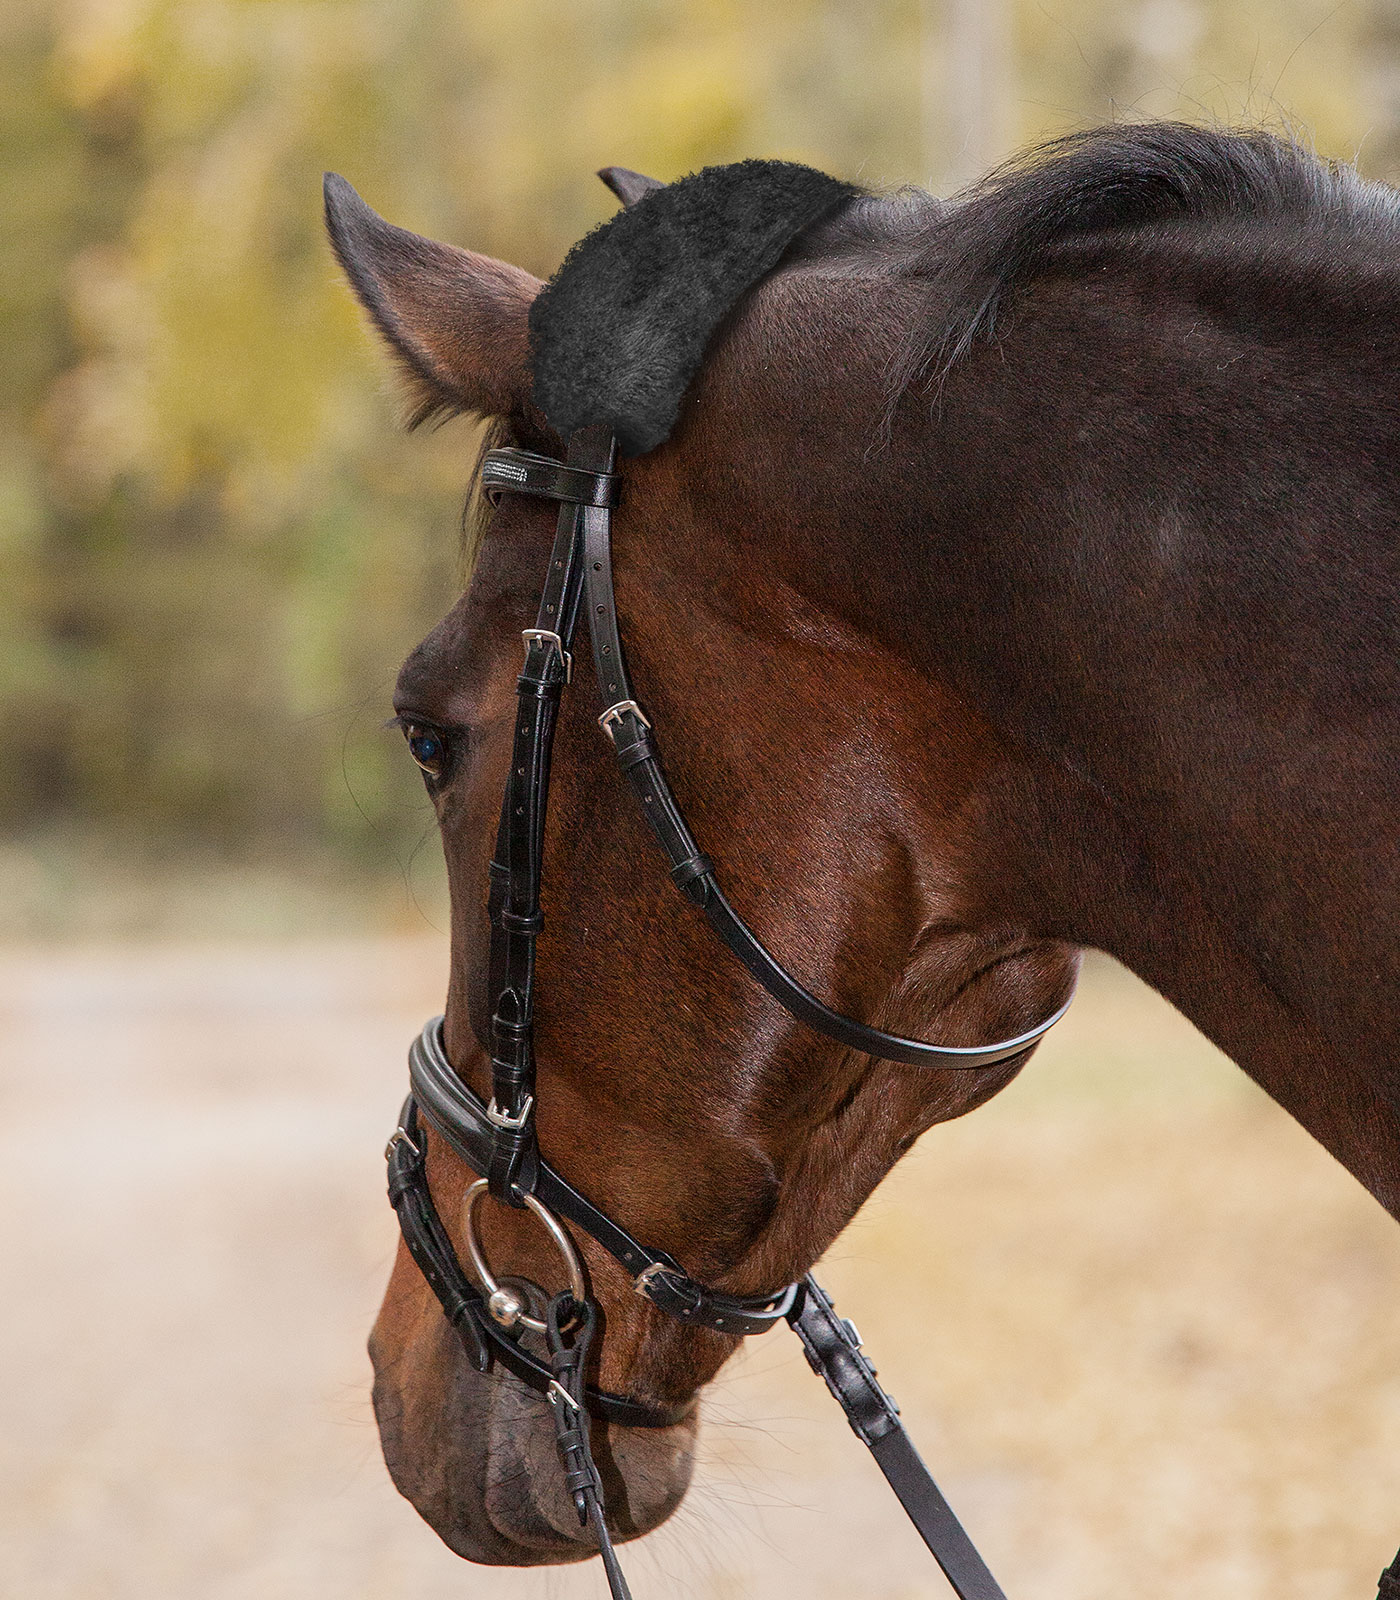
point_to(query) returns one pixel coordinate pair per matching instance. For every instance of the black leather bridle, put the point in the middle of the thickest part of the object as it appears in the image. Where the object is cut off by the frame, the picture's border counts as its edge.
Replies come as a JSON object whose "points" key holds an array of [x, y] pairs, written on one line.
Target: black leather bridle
{"points": [[498, 1140]]}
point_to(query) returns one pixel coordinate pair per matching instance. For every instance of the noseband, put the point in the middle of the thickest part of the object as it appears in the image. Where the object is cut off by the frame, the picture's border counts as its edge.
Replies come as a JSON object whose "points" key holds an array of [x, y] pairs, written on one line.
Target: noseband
{"points": [[498, 1139]]}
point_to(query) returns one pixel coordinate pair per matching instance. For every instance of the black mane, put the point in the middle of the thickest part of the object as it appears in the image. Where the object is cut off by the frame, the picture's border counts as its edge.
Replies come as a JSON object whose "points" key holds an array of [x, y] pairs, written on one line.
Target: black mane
{"points": [[1016, 221]]}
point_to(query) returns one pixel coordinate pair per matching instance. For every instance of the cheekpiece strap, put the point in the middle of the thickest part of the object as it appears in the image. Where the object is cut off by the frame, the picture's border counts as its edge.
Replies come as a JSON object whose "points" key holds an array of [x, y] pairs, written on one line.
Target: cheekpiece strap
{"points": [[583, 486]]}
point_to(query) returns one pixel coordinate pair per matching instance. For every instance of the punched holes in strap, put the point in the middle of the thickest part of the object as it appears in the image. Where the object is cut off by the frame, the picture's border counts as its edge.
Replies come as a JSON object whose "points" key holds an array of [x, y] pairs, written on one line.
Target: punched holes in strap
{"points": [[526, 472]]}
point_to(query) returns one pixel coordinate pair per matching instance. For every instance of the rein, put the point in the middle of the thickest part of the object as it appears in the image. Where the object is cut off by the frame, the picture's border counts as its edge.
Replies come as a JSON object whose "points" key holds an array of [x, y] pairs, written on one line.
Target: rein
{"points": [[498, 1139]]}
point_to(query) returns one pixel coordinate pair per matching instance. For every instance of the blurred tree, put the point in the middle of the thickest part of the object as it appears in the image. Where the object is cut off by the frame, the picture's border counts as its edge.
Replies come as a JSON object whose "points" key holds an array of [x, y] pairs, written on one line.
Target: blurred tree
{"points": [[214, 545]]}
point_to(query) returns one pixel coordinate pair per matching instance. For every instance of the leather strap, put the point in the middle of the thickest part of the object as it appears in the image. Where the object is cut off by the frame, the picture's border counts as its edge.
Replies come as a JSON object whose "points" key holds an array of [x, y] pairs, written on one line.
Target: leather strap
{"points": [[526, 472], [569, 1328], [427, 1239], [514, 905], [831, 1343], [499, 1140], [629, 728]]}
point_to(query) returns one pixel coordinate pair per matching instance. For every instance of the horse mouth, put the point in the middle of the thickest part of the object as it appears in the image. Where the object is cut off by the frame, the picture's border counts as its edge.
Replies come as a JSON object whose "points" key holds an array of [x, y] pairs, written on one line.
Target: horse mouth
{"points": [[476, 1457]]}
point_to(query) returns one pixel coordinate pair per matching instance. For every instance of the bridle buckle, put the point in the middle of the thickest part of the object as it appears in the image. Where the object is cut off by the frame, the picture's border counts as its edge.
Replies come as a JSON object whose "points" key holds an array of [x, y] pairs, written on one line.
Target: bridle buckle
{"points": [[503, 1119], [613, 715], [534, 635], [642, 1283], [396, 1138]]}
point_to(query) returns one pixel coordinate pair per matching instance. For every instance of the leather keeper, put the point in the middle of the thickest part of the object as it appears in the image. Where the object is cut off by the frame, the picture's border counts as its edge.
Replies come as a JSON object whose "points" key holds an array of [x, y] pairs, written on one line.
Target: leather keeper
{"points": [[543, 688], [402, 1181], [508, 1036], [509, 1030], [636, 750], [513, 1069], [685, 874], [677, 1294], [531, 924], [511, 1081], [511, 1173]]}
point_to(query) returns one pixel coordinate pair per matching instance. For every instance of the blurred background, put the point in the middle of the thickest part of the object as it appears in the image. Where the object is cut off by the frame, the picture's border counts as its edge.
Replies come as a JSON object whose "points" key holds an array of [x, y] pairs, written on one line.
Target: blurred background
{"points": [[1143, 1325]]}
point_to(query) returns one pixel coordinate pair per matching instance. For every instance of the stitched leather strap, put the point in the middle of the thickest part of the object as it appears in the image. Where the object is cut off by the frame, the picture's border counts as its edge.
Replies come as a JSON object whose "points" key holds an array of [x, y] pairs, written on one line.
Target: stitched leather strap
{"points": [[569, 1329], [499, 1140], [831, 1343], [514, 905], [427, 1239], [693, 872], [694, 875]]}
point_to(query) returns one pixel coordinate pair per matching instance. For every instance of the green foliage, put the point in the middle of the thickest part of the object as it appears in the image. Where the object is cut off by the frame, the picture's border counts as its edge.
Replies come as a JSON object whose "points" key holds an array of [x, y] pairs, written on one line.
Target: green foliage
{"points": [[214, 544]]}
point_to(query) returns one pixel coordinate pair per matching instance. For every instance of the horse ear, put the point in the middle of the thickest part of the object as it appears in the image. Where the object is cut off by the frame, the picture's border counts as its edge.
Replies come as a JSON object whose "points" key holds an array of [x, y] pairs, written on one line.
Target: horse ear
{"points": [[628, 186], [457, 322]]}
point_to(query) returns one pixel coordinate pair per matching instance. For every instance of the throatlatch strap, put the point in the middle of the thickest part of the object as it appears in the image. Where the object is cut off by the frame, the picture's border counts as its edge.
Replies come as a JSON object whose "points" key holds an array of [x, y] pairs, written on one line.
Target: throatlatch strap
{"points": [[629, 728]]}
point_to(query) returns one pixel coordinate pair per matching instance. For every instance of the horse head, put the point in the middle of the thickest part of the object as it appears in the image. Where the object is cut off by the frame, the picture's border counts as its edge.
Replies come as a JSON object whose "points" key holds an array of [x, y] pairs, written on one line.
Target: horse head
{"points": [[864, 816]]}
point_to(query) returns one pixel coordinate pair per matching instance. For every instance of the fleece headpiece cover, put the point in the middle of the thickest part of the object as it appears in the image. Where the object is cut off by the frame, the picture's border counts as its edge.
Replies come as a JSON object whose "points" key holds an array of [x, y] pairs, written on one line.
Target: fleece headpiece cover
{"points": [[620, 330]]}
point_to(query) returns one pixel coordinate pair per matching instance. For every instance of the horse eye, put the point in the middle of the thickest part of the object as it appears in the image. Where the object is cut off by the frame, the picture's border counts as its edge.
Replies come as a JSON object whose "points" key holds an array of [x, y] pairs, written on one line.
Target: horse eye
{"points": [[428, 748]]}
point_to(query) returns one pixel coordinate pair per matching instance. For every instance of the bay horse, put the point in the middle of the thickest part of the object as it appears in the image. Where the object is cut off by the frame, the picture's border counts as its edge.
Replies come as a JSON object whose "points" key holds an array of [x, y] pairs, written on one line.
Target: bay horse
{"points": [[1019, 575]]}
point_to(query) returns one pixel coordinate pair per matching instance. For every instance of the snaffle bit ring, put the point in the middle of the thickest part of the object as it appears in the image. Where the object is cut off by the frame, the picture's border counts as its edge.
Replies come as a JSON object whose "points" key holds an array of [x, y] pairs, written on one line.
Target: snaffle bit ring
{"points": [[503, 1304]]}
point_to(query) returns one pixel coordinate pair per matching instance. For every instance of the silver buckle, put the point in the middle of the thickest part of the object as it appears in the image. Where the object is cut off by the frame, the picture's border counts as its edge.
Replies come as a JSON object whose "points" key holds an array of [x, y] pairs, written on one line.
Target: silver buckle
{"points": [[397, 1137], [641, 1284], [613, 715], [503, 1119], [530, 635]]}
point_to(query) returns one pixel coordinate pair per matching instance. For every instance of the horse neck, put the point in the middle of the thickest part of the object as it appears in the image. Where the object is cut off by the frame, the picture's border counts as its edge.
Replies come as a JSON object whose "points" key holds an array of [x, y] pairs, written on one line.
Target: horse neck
{"points": [[1158, 560]]}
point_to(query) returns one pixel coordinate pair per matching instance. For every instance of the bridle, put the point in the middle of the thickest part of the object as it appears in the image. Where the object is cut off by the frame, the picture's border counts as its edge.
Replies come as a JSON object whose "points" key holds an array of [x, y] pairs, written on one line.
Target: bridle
{"points": [[497, 1140]]}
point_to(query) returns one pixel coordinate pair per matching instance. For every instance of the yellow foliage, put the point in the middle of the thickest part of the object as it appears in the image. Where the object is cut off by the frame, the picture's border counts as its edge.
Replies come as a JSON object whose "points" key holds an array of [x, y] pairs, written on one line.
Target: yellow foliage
{"points": [[216, 546]]}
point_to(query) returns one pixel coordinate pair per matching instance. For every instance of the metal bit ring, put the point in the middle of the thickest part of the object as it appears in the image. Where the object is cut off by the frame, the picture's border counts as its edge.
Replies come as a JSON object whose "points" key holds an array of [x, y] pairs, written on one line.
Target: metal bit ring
{"points": [[496, 1295]]}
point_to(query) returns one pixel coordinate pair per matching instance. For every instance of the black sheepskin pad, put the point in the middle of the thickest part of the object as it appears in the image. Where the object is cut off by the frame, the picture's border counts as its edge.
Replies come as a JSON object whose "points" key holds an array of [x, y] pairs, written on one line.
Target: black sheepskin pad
{"points": [[620, 330]]}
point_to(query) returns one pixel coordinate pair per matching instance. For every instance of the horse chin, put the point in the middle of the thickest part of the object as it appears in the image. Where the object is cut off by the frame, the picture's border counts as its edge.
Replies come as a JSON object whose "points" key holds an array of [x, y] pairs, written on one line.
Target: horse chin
{"points": [[474, 1453]]}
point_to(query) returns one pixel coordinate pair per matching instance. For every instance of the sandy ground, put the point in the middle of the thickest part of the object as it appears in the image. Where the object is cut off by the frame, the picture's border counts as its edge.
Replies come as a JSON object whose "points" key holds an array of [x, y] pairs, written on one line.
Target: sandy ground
{"points": [[1143, 1329]]}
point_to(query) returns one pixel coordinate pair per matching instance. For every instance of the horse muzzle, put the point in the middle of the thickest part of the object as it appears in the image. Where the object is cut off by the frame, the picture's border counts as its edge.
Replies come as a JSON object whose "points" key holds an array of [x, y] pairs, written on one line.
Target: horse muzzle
{"points": [[475, 1452]]}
